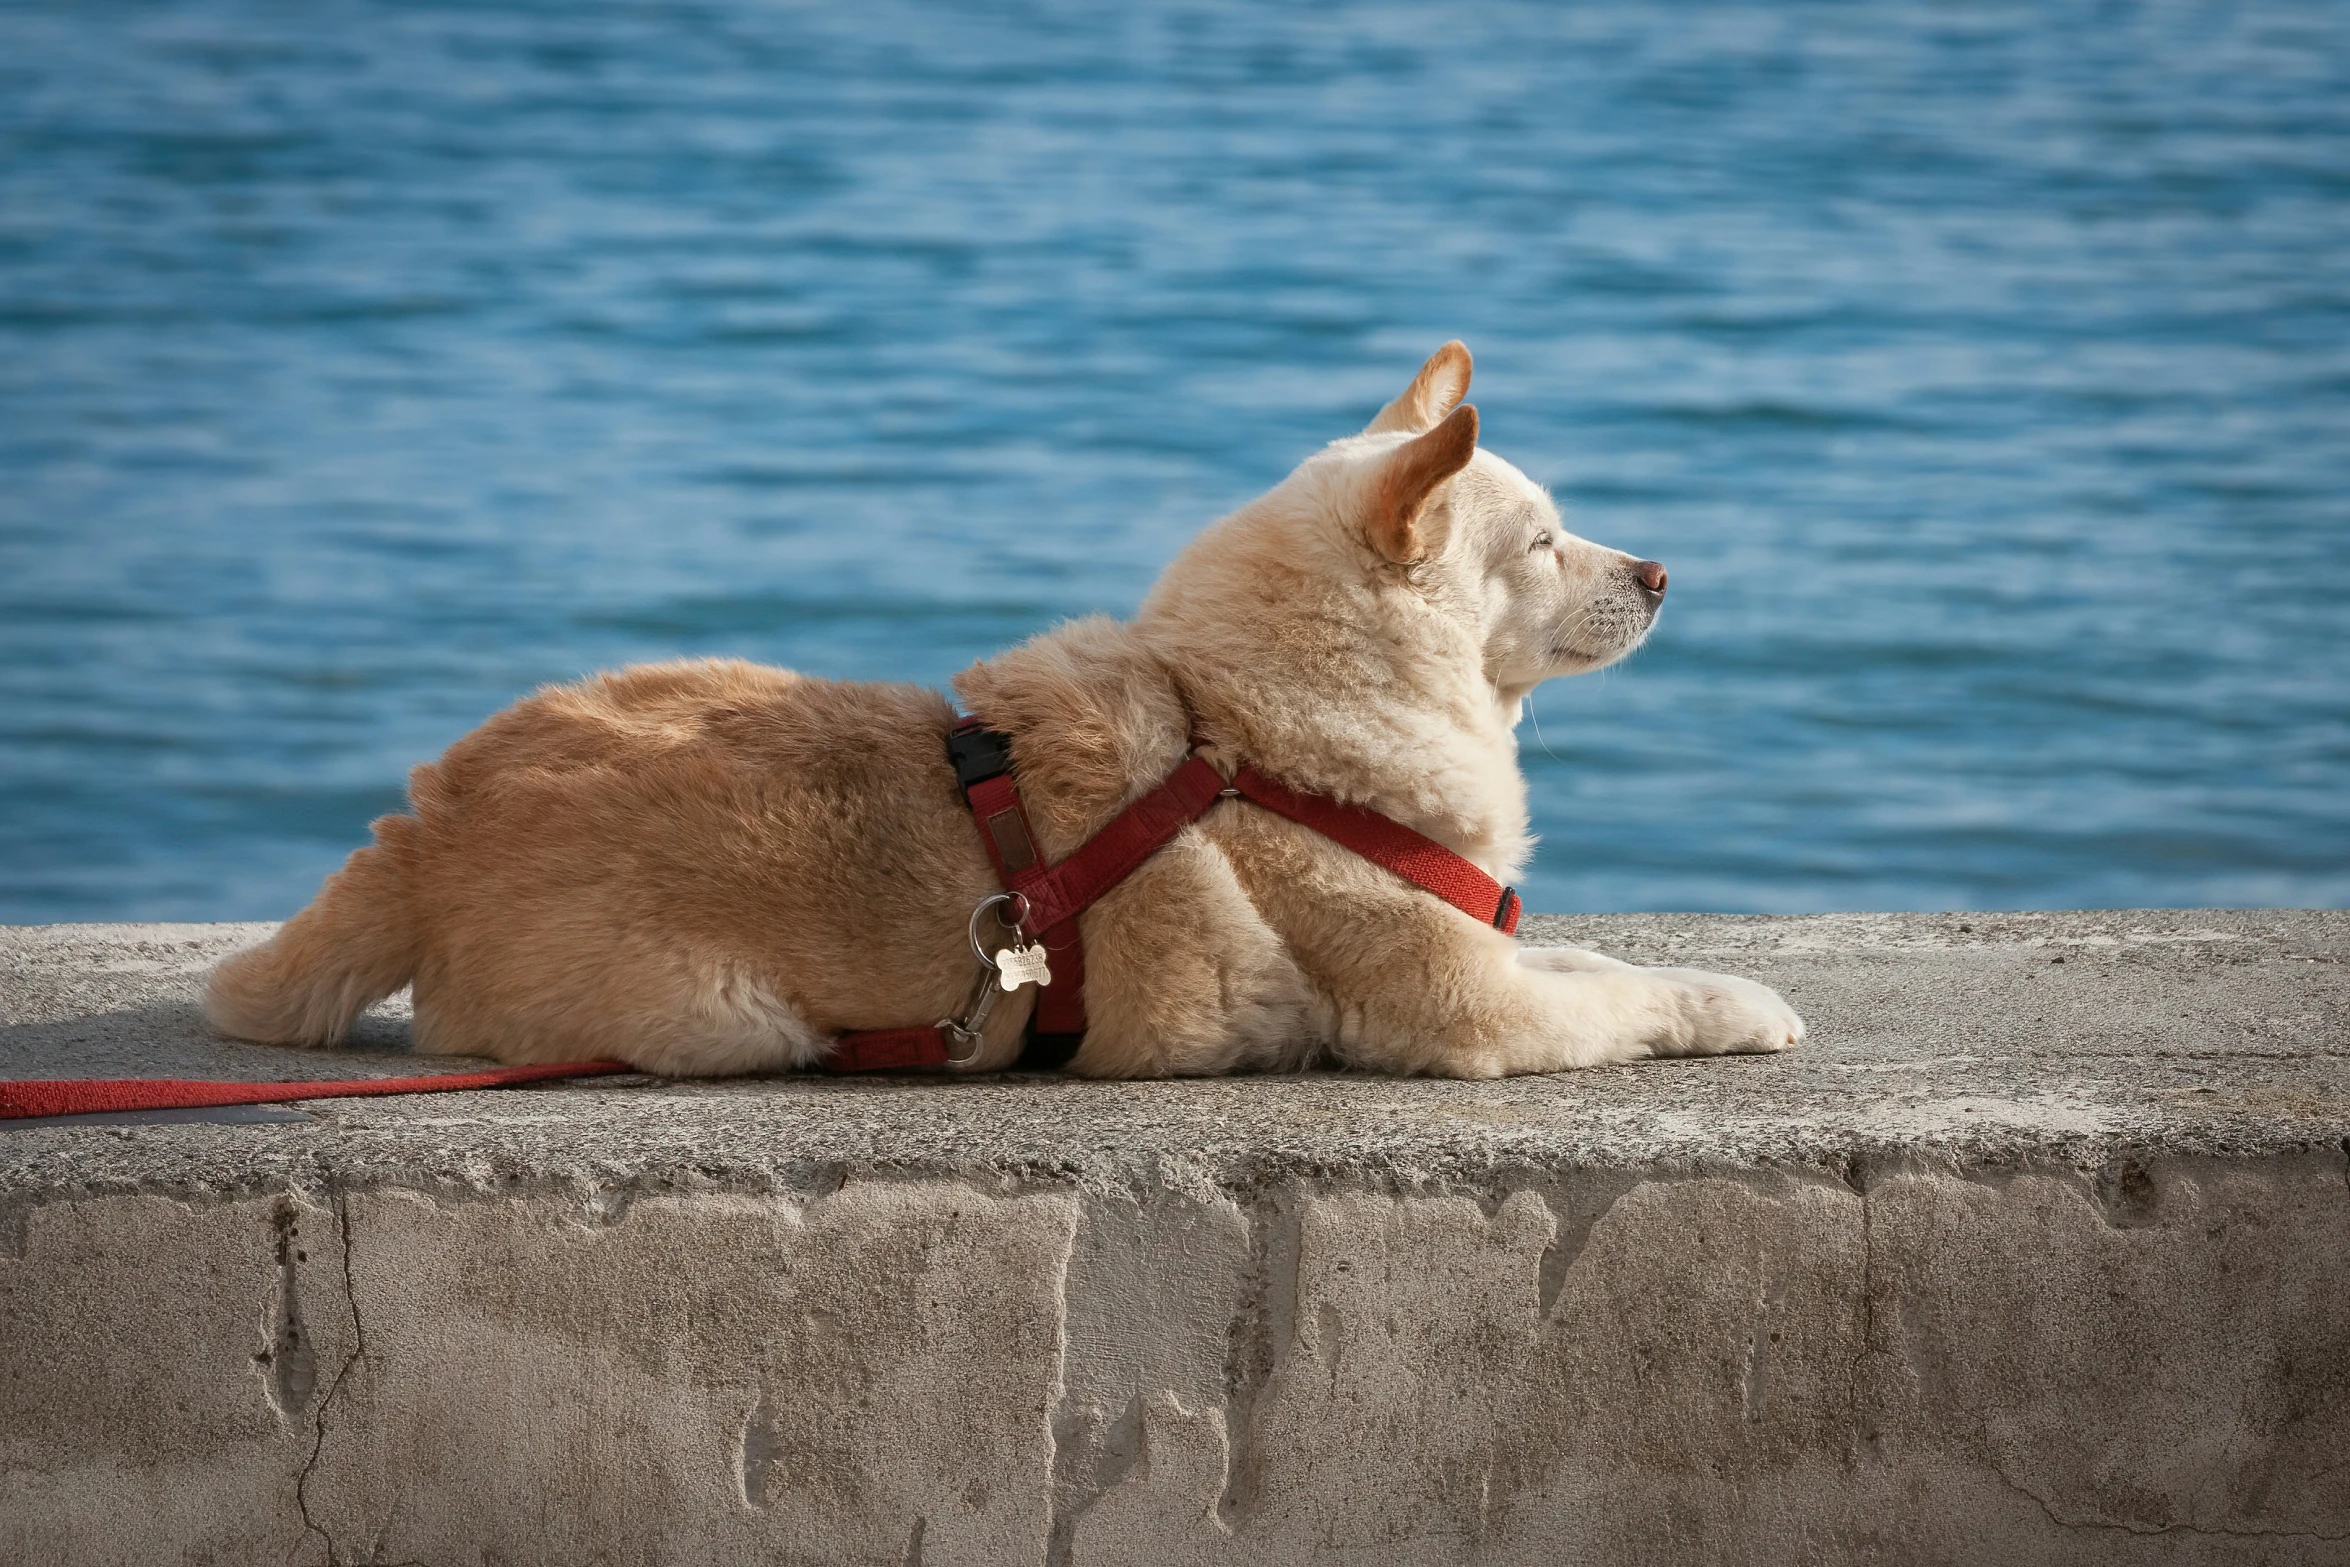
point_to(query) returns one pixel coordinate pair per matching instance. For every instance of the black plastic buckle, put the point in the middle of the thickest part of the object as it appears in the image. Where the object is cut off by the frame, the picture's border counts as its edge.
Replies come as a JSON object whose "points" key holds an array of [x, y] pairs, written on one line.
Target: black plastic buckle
{"points": [[1505, 911], [978, 755]]}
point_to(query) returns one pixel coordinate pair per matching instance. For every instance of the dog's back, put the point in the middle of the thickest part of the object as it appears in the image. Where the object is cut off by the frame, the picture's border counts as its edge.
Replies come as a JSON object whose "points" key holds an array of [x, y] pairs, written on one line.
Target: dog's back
{"points": [[716, 855]]}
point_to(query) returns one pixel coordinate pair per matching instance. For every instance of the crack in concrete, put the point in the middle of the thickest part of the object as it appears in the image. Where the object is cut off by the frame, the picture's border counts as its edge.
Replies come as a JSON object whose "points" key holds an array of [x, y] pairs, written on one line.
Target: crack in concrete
{"points": [[310, 1525], [2100, 1526]]}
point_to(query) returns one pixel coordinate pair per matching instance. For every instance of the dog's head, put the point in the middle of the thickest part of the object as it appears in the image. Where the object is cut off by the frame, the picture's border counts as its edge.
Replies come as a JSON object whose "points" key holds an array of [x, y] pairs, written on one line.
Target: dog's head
{"points": [[1480, 541], [1408, 554]]}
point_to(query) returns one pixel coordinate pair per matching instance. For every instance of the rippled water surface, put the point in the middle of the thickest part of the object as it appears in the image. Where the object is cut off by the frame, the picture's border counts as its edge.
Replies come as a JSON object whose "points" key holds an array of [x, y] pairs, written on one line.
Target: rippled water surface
{"points": [[1982, 373]]}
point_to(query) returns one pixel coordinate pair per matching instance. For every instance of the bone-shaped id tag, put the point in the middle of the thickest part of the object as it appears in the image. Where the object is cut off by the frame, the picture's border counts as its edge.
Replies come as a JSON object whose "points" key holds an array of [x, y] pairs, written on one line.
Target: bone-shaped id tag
{"points": [[1022, 965]]}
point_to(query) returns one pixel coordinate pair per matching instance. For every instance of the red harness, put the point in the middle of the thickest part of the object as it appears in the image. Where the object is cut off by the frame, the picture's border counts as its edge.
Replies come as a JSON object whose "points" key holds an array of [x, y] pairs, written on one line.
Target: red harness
{"points": [[1051, 897]]}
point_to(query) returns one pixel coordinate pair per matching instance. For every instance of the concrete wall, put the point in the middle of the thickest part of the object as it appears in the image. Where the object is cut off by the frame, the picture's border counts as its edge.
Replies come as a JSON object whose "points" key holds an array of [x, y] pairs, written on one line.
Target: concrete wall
{"points": [[448, 1352]]}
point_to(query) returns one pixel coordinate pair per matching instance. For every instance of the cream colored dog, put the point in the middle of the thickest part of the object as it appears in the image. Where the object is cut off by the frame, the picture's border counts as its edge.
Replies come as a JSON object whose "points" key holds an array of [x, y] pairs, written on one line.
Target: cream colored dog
{"points": [[716, 867]]}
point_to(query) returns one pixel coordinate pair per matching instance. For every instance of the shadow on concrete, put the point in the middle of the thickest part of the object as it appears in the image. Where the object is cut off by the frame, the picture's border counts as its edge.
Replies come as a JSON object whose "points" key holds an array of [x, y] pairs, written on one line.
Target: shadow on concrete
{"points": [[174, 1039]]}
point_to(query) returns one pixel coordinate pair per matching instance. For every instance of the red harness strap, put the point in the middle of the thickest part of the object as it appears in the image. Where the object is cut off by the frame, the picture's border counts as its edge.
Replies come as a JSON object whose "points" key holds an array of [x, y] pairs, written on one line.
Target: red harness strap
{"points": [[1415, 857], [887, 1049], [1010, 840], [1057, 894]]}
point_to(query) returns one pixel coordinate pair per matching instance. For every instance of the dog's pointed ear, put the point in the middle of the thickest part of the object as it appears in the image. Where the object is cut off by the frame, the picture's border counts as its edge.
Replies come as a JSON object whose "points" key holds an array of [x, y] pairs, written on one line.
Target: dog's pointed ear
{"points": [[1436, 391], [1407, 477]]}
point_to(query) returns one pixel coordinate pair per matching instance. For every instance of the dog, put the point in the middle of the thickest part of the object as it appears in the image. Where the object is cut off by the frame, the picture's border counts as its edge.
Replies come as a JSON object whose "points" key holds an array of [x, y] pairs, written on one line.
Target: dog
{"points": [[714, 867]]}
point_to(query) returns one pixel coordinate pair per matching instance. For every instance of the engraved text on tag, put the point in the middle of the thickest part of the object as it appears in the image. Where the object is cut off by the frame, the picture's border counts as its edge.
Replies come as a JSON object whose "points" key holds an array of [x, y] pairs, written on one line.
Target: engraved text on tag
{"points": [[1022, 965]]}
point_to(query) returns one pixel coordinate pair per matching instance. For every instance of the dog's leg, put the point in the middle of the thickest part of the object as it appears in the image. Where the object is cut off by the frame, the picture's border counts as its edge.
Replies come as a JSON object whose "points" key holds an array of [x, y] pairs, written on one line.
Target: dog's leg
{"points": [[1532, 1017], [1578, 960], [1470, 1004], [1474, 1005], [1723, 1014], [1406, 984]]}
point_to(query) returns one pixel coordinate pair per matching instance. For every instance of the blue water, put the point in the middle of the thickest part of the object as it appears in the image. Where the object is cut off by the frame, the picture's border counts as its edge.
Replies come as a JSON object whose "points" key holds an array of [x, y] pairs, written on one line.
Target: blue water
{"points": [[1982, 373]]}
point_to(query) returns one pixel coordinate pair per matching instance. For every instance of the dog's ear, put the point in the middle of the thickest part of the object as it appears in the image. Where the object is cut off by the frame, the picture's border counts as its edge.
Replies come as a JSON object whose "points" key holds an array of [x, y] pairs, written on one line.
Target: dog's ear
{"points": [[1407, 477], [1436, 391]]}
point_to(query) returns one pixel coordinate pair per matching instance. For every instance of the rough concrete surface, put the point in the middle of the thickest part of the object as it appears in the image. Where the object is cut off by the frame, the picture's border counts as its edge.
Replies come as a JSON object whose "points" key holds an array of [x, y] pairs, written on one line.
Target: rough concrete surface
{"points": [[2038, 1250]]}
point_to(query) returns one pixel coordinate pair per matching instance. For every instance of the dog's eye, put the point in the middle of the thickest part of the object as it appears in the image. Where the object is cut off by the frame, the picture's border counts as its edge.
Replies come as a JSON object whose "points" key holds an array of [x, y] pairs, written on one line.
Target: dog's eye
{"points": [[1541, 542]]}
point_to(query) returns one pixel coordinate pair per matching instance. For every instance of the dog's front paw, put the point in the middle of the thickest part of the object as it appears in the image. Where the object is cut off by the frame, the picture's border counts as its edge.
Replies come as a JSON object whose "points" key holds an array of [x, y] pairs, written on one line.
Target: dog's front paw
{"points": [[1722, 1014]]}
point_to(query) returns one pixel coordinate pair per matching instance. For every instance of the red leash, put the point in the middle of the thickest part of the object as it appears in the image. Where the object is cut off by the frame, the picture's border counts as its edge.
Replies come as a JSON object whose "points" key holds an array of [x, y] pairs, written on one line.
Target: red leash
{"points": [[78, 1096]]}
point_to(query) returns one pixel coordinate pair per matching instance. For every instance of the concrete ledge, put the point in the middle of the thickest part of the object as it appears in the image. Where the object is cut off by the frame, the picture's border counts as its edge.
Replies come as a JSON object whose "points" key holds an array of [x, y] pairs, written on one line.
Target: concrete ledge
{"points": [[2038, 1251]]}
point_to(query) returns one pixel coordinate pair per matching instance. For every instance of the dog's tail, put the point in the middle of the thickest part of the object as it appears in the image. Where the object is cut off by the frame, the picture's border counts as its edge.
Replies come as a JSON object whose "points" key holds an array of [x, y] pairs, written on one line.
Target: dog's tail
{"points": [[356, 944]]}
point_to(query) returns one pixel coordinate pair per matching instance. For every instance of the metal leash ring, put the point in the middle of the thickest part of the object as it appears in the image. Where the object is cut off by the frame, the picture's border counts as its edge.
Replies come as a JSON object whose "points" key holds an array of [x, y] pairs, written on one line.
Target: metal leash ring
{"points": [[964, 1029], [987, 958]]}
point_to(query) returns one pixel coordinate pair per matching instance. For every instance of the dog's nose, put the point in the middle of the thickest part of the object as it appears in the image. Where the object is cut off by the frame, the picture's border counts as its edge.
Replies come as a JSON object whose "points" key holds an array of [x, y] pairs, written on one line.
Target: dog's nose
{"points": [[1650, 575]]}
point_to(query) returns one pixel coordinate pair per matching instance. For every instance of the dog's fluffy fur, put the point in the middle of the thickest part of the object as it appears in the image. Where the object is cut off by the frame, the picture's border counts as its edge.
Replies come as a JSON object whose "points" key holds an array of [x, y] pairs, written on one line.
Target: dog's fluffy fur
{"points": [[715, 867]]}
